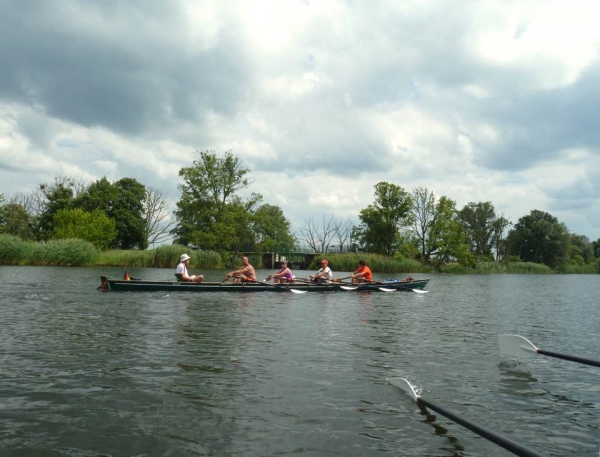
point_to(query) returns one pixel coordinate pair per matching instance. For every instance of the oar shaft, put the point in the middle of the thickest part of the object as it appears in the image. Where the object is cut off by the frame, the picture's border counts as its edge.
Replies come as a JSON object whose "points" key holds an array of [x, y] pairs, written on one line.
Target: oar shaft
{"points": [[572, 358], [506, 443]]}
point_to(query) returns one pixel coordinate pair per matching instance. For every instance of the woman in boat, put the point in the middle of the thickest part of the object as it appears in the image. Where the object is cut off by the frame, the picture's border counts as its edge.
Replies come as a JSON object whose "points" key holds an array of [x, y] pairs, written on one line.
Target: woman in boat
{"points": [[363, 273], [324, 275], [283, 275], [244, 274], [182, 273]]}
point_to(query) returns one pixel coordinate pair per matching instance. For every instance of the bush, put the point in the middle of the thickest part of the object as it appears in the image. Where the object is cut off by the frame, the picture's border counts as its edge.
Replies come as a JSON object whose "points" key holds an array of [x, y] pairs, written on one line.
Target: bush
{"points": [[14, 251]]}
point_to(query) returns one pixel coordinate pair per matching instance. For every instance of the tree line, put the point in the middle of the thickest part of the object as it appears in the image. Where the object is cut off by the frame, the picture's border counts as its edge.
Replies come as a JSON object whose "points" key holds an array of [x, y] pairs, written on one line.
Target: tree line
{"points": [[211, 214]]}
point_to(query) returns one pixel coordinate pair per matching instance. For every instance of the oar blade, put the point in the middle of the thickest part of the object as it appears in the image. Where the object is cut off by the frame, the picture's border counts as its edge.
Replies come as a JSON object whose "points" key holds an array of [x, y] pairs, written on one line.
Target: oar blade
{"points": [[386, 289], [516, 346], [404, 385], [419, 291], [349, 287], [296, 291]]}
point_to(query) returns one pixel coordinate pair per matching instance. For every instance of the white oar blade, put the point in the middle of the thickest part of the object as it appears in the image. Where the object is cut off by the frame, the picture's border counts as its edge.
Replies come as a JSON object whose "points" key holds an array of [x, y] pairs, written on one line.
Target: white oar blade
{"points": [[386, 289], [516, 346], [419, 291], [296, 291], [349, 287], [403, 384]]}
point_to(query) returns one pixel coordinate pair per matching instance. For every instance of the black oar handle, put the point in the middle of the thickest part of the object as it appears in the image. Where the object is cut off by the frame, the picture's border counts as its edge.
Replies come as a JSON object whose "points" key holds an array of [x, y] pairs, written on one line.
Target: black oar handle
{"points": [[572, 358], [507, 444]]}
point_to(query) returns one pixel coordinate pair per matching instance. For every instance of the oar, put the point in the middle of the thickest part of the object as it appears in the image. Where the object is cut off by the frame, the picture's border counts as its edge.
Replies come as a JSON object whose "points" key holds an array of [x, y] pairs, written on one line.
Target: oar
{"points": [[518, 346], [398, 285], [277, 286], [354, 286], [506, 443]]}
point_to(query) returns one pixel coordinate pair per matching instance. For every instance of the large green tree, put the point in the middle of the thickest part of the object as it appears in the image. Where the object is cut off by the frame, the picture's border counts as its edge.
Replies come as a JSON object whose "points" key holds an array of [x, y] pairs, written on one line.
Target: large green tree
{"points": [[211, 214], [272, 229], [381, 221], [122, 201], [539, 237], [57, 197], [447, 240], [483, 228], [95, 227]]}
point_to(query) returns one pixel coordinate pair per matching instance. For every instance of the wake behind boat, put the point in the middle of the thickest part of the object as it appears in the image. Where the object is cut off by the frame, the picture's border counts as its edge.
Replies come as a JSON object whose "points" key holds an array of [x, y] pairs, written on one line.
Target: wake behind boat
{"points": [[140, 285]]}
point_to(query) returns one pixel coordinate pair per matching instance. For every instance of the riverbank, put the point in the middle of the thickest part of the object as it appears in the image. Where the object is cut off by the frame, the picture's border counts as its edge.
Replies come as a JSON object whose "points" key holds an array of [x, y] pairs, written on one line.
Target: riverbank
{"points": [[15, 251]]}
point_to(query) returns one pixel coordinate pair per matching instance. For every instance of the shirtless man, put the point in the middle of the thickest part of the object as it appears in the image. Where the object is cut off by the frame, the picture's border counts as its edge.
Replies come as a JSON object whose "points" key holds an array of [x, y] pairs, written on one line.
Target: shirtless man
{"points": [[244, 274]]}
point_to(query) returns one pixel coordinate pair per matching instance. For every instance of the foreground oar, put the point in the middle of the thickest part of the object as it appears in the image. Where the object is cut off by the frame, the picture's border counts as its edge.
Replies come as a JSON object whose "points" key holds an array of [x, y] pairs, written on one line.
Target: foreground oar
{"points": [[354, 286], [506, 443], [518, 346]]}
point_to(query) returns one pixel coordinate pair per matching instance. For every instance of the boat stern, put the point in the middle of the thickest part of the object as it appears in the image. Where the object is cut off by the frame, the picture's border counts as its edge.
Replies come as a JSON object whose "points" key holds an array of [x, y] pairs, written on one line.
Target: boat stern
{"points": [[104, 284]]}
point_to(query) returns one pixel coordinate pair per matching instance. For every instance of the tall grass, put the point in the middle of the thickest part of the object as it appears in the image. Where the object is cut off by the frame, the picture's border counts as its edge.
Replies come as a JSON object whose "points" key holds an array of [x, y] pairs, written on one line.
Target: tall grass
{"points": [[377, 263], [496, 267], [67, 252], [161, 257]]}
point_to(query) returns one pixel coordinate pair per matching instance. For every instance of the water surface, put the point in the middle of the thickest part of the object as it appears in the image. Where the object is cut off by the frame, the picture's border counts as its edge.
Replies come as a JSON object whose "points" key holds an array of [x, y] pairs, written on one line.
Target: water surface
{"points": [[90, 373]]}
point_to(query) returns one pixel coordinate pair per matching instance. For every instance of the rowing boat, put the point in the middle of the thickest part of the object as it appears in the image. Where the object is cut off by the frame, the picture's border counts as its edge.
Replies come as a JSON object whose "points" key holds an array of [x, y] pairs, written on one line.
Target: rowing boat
{"points": [[139, 285]]}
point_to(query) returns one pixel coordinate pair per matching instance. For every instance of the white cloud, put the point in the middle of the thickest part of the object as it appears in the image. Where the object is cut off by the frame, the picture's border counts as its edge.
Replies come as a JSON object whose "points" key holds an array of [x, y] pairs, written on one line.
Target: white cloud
{"points": [[322, 100]]}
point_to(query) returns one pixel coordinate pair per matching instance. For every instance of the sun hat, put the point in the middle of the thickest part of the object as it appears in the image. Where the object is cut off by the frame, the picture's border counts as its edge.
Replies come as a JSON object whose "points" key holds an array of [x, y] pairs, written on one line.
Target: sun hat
{"points": [[184, 257]]}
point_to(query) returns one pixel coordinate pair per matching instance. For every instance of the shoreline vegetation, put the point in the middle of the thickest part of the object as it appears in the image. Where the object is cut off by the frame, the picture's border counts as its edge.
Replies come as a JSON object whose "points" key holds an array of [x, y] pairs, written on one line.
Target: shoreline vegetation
{"points": [[79, 253]]}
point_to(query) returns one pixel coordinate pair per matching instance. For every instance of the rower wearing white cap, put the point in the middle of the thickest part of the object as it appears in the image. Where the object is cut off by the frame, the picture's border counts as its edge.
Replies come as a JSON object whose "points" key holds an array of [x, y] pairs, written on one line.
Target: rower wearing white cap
{"points": [[182, 272]]}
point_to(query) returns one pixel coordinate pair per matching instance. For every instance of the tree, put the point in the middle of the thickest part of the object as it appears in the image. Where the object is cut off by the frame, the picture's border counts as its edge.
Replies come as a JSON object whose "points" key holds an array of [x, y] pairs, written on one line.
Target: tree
{"points": [[122, 201], [210, 214], [446, 239], [343, 233], [57, 197], [319, 236], [381, 221], [539, 237], [16, 221], [581, 250], [158, 222], [272, 230], [477, 221], [423, 211], [95, 227]]}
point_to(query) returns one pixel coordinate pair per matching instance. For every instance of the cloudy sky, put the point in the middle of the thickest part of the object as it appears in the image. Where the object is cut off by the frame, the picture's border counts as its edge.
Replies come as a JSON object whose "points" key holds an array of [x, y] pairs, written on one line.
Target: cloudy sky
{"points": [[497, 101]]}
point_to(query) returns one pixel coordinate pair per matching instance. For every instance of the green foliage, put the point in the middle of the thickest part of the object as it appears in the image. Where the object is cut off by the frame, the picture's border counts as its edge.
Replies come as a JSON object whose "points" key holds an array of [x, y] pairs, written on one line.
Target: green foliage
{"points": [[272, 230], [122, 201], [376, 262], [540, 238], [162, 257], [483, 228], [58, 197], [16, 221], [381, 221], [210, 214], [68, 252], [15, 251], [447, 238], [95, 227], [590, 268]]}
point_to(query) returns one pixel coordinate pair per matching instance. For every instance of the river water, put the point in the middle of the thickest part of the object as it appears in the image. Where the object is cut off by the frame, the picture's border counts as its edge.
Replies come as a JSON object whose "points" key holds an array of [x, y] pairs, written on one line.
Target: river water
{"points": [[90, 373]]}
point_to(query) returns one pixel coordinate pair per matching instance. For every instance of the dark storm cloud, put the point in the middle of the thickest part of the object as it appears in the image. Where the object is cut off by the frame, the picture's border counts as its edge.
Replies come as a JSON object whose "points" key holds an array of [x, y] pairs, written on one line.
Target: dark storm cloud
{"points": [[126, 79]]}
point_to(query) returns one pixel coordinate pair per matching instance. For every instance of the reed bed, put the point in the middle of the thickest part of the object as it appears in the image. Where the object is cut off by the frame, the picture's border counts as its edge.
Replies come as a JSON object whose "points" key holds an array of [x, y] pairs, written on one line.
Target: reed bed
{"points": [[66, 252], [377, 263], [161, 257]]}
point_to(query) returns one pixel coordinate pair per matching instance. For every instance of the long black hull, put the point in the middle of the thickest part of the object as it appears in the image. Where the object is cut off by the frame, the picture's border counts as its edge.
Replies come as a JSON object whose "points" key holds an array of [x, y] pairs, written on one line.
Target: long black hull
{"points": [[138, 285]]}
